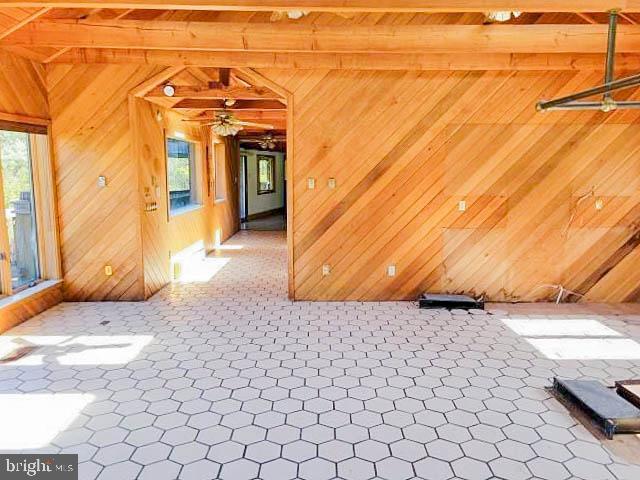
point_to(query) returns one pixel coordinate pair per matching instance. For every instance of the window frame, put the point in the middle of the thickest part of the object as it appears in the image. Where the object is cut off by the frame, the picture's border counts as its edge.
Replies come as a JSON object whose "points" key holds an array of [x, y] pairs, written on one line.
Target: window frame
{"points": [[44, 203], [195, 175], [272, 165], [219, 151]]}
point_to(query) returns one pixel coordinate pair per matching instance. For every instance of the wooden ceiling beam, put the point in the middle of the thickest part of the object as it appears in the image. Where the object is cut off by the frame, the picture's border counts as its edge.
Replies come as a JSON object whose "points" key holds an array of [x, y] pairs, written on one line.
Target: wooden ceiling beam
{"points": [[587, 17], [260, 37], [358, 61], [238, 93], [200, 104], [395, 6], [22, 23], [260, 116]]}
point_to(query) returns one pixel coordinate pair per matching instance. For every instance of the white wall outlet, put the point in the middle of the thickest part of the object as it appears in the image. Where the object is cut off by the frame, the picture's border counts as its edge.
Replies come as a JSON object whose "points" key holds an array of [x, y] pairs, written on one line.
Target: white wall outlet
{"points": [[326, 270], [331, 183], [102, 181], [599, 204], [391, 271], [311, 183], [462, 205]]}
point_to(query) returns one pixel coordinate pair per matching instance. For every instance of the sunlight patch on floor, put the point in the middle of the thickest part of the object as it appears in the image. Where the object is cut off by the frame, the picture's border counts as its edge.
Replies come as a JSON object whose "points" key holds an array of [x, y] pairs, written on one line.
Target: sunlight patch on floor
{"points": [[587, 348], [32, 421], [78, 350], [201, 270], [574, 339], [559, 328]]}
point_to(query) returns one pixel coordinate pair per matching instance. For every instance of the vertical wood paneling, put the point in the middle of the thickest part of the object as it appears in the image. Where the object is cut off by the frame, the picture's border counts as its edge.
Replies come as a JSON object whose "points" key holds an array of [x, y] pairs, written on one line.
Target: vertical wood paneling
{"points": [[406, 147]]}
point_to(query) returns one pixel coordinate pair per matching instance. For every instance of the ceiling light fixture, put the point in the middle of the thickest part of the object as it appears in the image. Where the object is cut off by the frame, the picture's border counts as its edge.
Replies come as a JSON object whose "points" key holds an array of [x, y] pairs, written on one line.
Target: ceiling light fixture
{"points": [[500, 16], [169, 90], [296, 14]]}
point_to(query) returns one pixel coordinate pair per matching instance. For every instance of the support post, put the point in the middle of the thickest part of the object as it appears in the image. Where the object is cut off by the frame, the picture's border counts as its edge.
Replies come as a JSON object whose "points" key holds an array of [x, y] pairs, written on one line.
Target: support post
{"points": [[611, 52]]}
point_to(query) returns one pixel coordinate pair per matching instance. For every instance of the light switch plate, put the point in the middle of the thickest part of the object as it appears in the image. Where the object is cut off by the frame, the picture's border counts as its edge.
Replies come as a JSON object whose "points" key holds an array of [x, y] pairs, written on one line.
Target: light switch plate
{"points": [[391, 271], [462, 205], [108, 271], [331, 183], [102, 181], [311, 183]]}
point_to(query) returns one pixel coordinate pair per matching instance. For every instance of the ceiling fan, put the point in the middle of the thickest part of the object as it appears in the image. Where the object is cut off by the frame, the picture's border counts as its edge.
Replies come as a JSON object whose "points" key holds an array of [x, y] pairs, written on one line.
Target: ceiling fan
{"points": [[225, 124], [268, 141]]}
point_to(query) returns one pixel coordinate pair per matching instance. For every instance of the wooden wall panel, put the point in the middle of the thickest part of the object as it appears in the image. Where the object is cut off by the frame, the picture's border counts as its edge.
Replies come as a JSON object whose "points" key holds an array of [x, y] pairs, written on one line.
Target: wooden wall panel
{"points": [[22, 87], [92, 137], [163, 236], [406, 147], [21, 309]]}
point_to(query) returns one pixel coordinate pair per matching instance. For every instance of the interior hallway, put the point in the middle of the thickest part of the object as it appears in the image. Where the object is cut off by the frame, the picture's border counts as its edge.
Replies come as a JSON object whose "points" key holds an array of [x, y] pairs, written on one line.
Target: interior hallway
{"points": [[220, 376], [272, 223]]}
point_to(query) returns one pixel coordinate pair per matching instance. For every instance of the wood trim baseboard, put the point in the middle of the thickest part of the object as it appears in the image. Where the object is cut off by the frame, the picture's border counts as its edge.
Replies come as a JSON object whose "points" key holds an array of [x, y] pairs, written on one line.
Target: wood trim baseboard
{"points": [[27, 304]]}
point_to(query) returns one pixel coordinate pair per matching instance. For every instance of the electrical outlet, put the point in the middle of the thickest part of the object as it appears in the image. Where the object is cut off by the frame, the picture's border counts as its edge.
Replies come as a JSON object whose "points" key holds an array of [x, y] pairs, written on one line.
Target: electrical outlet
{"points": [[311, 183], [326, 270], [108, 271], [331, 183], [391, 271], [462, 205], [102, 181], [599, 204]]}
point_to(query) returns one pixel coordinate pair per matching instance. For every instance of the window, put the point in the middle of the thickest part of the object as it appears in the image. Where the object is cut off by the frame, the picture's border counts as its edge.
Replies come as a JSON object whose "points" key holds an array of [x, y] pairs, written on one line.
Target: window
{"points": [[266, 174], [20, 265], [28, 221], [182, 175], [219, 152]]}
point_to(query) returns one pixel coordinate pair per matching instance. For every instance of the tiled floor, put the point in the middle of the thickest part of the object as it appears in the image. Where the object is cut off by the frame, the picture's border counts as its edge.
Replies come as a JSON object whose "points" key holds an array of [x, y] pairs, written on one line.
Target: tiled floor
{"points": [[271, 223], [222, 377]]}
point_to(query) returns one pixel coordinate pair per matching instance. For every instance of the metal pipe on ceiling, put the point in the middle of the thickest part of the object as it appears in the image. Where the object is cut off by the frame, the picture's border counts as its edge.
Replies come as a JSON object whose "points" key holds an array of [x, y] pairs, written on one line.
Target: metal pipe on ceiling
{"points": [[608, 104]]}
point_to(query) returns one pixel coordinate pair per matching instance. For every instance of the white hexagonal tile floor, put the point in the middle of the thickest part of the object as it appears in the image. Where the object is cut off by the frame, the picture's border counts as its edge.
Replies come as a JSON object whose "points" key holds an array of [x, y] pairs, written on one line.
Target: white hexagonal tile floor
{"points": [[222, 377]]}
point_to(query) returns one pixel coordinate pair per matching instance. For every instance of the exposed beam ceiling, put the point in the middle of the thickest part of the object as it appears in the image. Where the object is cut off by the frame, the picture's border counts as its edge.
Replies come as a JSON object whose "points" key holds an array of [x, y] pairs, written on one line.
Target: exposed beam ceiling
{"points": [[221, 36], [28, 19], [258, 105], [349, 61], [238, 93], [345, 6], [261, 116]]}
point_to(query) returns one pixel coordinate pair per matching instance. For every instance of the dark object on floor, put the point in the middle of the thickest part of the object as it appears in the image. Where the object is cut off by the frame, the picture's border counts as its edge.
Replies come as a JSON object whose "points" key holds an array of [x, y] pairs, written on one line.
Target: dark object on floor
{"points": [[18, 353], [612, 413], [436, 300], [105, 322], [629, 390]]}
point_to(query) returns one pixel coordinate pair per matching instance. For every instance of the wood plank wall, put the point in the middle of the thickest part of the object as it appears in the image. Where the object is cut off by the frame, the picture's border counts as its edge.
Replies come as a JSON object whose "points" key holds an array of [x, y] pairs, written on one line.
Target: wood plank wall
{"points": [[92, 137], [161, 236], [22, 87], [406, 147]]}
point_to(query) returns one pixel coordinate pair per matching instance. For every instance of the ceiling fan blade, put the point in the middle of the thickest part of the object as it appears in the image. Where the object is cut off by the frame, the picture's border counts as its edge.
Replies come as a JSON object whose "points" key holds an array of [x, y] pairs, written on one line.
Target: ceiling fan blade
{"points": [[252, 124]]}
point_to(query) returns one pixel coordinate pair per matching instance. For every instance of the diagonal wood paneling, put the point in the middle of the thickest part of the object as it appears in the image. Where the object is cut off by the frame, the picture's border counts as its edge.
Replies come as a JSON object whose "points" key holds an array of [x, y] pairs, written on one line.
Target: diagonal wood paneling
{"points": [[406, 147], [92, 137], [22, 89]]}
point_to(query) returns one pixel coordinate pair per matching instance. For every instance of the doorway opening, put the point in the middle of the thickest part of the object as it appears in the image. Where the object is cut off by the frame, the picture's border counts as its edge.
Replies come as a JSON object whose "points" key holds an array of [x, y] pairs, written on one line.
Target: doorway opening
{"points": [[223, 135], [263, 185]]}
